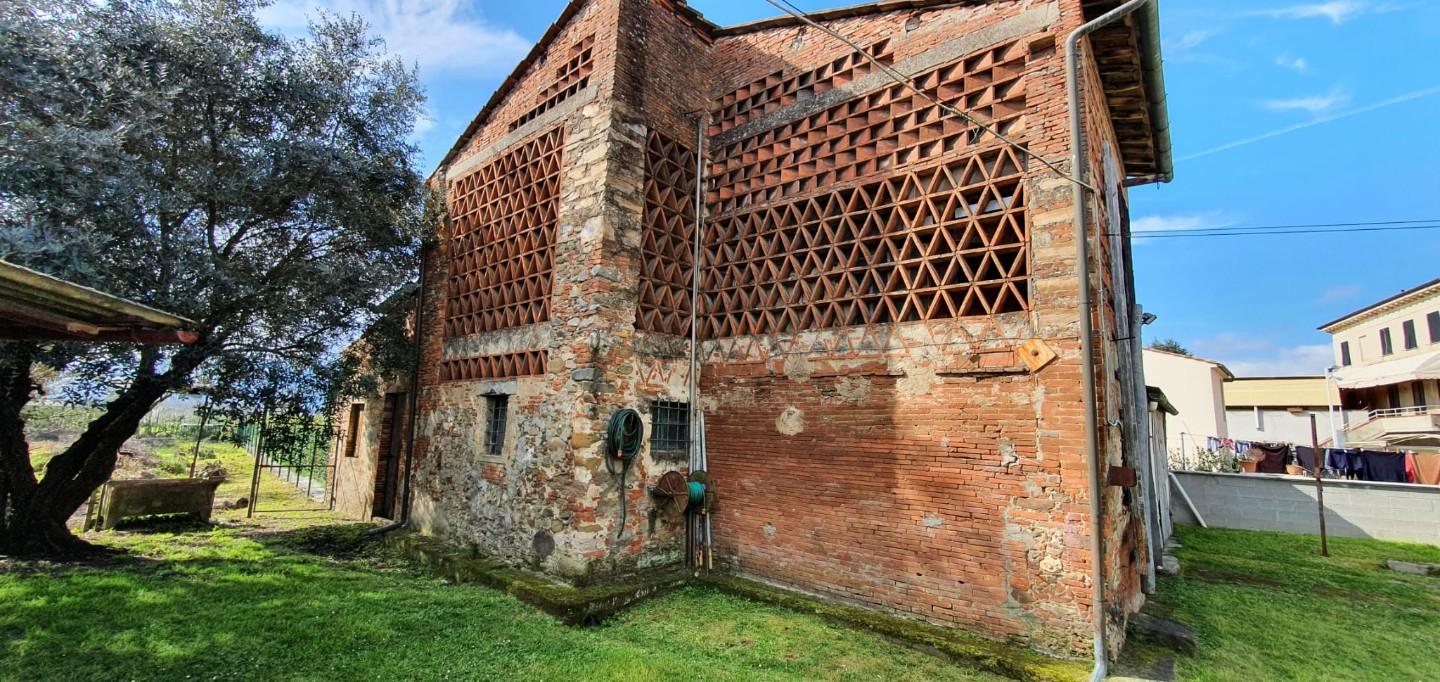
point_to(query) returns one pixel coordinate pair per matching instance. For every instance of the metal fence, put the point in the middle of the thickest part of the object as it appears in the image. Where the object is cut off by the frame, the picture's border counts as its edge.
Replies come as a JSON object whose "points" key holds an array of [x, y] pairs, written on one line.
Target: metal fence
{"points": [[295, 449]]}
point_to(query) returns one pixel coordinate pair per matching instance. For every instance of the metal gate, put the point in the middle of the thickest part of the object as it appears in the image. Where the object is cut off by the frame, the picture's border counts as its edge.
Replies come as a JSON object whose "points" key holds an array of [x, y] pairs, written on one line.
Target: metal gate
{"points": [[295, 449]]}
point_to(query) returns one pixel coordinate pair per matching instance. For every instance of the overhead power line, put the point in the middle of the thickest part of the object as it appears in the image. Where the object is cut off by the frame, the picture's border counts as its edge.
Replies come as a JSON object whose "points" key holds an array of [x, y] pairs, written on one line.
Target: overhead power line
{"points": [[786, 7], [1176, 234], [1229, 228]]}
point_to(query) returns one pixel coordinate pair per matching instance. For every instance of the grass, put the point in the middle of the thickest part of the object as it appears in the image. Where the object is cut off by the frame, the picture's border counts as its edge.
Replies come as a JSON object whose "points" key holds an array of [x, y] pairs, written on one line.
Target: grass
{"points": [[305, 596], [249, 602], [1267, 606]]}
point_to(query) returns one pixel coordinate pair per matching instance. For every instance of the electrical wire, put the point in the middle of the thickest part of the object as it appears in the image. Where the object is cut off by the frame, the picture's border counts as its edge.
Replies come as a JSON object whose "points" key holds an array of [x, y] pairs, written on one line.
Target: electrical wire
{"points": [[1178, 235], [899, 78], [1296, 226]]}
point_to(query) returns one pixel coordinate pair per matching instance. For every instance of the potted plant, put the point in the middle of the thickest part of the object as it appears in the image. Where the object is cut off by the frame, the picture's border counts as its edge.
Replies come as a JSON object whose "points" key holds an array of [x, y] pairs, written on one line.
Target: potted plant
{"points": [[1250, 461]]}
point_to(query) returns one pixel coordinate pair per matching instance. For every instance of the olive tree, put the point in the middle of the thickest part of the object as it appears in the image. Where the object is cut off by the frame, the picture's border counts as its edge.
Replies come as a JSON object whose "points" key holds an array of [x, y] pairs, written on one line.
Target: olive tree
{"points": [[176, 153]]}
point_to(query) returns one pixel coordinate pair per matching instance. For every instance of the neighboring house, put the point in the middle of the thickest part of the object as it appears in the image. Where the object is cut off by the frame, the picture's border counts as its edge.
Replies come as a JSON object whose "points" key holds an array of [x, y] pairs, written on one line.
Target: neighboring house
{"points": [[888, 323], [1387, 358], [1195, 386], [1278, 409]]}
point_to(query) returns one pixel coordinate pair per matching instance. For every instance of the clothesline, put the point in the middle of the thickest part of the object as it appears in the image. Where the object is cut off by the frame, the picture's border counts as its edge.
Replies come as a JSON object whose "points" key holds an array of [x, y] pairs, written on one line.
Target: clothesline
{"points": [[1348, 463]]}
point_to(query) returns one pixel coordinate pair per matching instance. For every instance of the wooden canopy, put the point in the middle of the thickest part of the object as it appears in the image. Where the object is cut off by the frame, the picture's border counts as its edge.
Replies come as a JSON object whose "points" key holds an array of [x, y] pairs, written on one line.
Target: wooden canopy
{"points": [[37, 306]]}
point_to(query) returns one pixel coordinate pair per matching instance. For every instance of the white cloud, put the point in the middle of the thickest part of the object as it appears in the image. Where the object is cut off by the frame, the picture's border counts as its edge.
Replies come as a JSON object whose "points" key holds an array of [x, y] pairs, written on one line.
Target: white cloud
{"points": [[1315, 105], [1253, 356], [423, 124], [1337, 11], [1189, 40], [436, 34], [1285, 61], [1389, 102], [1170, 223], [1309, 360]]}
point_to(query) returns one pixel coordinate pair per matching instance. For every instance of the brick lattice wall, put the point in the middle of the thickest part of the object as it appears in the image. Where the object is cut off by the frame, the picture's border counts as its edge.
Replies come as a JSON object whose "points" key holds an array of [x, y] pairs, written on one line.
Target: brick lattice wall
{"points": [[667, 248], [502, 253]]}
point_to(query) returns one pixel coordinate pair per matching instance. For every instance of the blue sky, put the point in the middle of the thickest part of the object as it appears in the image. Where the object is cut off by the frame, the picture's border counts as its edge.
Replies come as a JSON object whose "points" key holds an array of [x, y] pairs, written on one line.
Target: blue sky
{"points": [[1352, 87]]}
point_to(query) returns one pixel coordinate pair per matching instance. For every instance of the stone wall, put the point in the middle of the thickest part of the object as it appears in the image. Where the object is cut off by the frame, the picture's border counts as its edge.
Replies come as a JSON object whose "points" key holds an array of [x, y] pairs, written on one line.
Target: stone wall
{"points": [[1353, 509], [357, 469]]}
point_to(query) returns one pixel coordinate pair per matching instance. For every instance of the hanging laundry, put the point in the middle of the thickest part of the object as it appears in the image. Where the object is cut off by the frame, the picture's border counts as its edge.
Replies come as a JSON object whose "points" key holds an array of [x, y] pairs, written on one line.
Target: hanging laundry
{"points": [[1427, 468], [1409, 467], [1356, 462], [1341, 463], [1383, 467], [1275, 457], [1305, 456], [1212, 444]]}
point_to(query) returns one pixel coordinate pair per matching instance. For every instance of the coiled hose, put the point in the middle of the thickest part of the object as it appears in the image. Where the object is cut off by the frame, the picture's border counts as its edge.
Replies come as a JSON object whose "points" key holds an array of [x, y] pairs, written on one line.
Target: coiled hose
{"points": [[623, 437]]}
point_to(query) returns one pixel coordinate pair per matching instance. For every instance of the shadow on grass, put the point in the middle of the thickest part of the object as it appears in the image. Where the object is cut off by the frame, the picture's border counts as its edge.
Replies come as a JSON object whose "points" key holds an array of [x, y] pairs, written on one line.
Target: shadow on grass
{"points": [[234, 602]]}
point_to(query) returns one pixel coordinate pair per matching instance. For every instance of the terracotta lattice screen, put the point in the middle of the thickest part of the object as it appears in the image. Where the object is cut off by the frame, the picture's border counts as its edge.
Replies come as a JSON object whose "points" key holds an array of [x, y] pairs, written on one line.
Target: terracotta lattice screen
{"points": [[667, 249], [570, 77], [502, 254], [775, 91], [505, 365], [879, 209]]}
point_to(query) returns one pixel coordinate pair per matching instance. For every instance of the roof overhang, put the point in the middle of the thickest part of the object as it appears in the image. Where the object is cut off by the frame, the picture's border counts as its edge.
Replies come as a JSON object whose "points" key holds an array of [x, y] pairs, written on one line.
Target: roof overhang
{"points": [[1413, 368], [1157, 396], [37, 306], [1127, 54]]}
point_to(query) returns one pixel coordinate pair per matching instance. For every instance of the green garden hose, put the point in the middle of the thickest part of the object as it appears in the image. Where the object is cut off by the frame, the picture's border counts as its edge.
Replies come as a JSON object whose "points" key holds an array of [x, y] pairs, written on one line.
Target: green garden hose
{"points": [[623, 437]]}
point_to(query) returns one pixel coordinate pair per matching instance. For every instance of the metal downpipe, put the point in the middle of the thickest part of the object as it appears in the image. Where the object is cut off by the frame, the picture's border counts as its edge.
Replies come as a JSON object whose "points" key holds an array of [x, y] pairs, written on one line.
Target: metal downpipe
{"points": [[694, 379], [1087, 341]]}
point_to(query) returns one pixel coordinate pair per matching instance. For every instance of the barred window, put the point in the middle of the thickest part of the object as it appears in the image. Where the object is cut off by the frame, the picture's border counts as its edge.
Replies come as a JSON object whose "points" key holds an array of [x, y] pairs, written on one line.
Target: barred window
{"points": [[497, 408], [669, 428]]}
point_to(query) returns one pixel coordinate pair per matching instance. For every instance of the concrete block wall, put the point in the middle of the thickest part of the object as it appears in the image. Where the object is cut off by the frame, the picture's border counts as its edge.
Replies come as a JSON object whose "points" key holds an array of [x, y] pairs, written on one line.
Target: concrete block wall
{"points": [[1355, 509]]}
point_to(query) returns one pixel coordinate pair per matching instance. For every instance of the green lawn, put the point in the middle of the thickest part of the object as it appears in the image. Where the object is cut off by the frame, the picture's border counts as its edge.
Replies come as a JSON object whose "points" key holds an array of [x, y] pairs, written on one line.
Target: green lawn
{"points": [[250, 602], [1267, 606], [309, 596]]}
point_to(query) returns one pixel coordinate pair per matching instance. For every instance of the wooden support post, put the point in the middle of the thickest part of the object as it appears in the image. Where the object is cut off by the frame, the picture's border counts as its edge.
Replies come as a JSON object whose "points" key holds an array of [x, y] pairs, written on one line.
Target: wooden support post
{"points": [[1319, 488]]}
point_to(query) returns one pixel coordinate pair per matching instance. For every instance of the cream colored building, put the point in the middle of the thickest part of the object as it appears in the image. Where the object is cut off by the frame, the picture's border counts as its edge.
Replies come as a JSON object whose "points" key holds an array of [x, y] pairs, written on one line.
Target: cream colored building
{"points": [[1278, 409], [1194, 387], [1387, 358]]}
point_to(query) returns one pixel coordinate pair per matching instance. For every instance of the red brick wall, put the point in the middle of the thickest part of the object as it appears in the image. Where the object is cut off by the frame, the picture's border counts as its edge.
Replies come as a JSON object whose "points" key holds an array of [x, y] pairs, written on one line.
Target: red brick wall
{"points": [[919, 468]]}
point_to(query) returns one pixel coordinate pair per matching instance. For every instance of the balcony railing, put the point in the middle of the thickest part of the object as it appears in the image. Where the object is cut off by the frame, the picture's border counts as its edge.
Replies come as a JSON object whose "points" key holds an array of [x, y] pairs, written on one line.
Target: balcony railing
{"points": [[1412, 411]]}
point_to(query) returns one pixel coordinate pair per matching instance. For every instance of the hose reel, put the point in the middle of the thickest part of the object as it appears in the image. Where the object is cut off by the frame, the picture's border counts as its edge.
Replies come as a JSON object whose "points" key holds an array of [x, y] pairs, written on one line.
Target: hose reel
{"points": [[675, 494], [624, 435]]}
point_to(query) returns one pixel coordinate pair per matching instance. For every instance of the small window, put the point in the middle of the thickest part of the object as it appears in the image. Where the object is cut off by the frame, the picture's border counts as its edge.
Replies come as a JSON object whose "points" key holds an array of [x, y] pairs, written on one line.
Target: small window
{"points": [[1407, 332], [352, 434], [1433, 320], [1344, 353], [497, 411], [1386, 345], [669, 428]]}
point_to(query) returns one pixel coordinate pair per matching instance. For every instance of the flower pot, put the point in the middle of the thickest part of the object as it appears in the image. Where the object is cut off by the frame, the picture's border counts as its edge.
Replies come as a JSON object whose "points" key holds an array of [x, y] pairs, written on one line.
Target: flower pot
{"points": [[1249, 466]]}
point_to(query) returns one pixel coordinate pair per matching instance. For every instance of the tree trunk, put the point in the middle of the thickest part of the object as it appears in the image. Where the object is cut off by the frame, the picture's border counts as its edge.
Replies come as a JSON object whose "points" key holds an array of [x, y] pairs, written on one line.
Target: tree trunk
{"points": [[17, 476], [36, 523]]}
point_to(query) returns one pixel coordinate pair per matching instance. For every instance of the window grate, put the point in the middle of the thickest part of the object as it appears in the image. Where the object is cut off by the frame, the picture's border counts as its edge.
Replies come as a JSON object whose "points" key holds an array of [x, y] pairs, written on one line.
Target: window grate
{"points": [[669, 428], [497, 408]]}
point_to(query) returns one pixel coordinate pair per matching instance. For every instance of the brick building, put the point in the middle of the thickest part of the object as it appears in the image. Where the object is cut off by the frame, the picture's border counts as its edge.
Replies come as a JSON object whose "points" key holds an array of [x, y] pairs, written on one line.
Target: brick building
{"points": [[891, 366]]}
